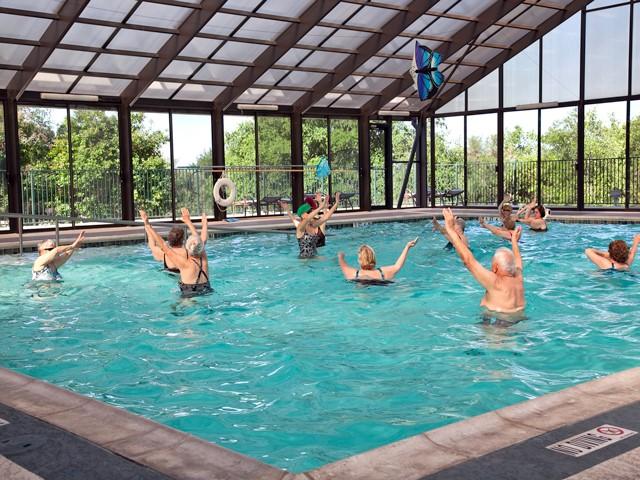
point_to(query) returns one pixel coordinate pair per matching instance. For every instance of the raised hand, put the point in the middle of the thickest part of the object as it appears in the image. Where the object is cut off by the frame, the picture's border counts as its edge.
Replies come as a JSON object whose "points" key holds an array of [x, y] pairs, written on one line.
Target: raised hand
{"points": [[481, 221], [185, 215], [80, 239], [144, 216], [337, 197], [412, 243], [449, 219], [516, 234]]}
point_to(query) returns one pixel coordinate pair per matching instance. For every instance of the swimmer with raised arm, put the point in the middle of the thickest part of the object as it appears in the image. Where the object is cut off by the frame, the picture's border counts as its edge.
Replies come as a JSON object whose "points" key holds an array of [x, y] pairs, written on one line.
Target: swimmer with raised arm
{"points": [[504, 283], [51, 258], [460, 227], [533, 215], [194, 270], [307, 228], [368, 272], [323, 217], [618, 257], [504, 232]]}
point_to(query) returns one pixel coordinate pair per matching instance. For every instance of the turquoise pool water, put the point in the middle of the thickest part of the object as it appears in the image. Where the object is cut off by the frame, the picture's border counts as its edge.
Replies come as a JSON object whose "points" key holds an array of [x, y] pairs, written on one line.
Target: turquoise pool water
{"points": [[288, 363]]}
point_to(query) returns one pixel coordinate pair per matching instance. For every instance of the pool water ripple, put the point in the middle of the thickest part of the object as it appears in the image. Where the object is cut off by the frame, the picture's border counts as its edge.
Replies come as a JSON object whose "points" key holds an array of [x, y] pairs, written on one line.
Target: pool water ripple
{"points": [[290, 364]]}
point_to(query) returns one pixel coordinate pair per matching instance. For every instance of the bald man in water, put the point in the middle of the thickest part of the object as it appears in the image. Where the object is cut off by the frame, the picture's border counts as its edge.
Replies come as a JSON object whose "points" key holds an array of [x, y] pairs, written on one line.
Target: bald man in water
{"points": [[504, 283]]}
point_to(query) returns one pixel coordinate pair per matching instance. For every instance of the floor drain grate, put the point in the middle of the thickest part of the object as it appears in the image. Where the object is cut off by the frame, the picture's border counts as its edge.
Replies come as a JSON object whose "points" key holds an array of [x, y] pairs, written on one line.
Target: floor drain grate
{"points": [[21, 444]]}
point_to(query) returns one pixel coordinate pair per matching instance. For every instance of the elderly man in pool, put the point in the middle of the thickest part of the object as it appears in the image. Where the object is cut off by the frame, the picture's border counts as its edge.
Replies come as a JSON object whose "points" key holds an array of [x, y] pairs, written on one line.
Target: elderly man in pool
{"points": [[504, 282]]}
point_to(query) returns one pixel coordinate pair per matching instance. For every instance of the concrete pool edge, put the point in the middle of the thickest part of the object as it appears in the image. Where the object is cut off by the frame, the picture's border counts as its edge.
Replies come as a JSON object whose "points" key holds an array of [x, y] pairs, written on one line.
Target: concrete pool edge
{"points": [[182, 456]]}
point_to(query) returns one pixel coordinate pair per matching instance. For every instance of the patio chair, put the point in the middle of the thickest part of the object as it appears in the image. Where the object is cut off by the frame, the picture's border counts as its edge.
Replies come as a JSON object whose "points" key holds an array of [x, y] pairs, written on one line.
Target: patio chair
{"points": [[616, 195], [437, 195], [345, 199], [245, 204], [272, 201], [453, 194]]}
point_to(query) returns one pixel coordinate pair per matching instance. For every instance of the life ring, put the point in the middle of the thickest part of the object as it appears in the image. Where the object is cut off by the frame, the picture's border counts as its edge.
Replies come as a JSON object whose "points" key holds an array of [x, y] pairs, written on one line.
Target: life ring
{"points": [[231, 192]]}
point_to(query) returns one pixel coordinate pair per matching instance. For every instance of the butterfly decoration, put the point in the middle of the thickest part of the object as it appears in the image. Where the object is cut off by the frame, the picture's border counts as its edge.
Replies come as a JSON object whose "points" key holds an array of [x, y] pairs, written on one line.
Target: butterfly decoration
{"points": [[424, 71]]}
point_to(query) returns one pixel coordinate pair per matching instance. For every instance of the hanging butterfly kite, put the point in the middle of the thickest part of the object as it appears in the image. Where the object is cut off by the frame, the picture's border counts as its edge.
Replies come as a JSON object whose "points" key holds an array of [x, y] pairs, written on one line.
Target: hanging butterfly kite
{"points": [[425, 71]]}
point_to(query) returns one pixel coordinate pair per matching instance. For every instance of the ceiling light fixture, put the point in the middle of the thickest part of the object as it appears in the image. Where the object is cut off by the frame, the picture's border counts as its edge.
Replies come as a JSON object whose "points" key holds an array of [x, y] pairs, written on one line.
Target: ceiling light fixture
{"points": [[256, 106], [394, 113], [69, 97], [532, 106]]}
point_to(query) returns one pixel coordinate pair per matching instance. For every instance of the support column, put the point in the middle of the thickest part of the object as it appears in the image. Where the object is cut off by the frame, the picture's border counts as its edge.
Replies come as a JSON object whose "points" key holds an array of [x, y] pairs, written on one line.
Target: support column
{"points": [[432, 177], [12, 149], [126, 162], [422, 199], [500, 140], [364, 163], [217, 126], [580, 154], [297, 178]]}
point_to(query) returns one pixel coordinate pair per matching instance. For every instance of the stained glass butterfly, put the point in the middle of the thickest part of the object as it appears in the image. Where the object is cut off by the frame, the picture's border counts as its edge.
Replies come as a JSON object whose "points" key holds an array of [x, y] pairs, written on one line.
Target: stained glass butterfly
{"points": [[425, 71]]}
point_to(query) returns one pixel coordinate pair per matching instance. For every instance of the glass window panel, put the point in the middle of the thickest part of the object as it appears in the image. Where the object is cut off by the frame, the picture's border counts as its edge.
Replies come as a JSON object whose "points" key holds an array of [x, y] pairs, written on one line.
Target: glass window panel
{"points": [[561, 62], [159, 15], [455, 105], [509, 17], [444, 27], [51, 82], [301, 79], [240, 51], [607, 52], [274, 150], [315, 147], [96, 164], [201, 93], [521, 155], [371, 17], [271, 77], [240, 161], [481, 55], [251, 95], [470, 8], [634, 152], [484, 94], [124, 64], [349, 82], [68, 59], [635, 63], [394, 66], [324, 60], [139, 41], [109, 10], [46, 6], [161, 90], [559, 152], [262, 29], [396, 44], [504, 36], [534, 16], [403, 135], [44, 162], [449, 154], [604, 154], [420, 24], [461, 73], [192, 157], [245, 5], [5, 77], [344, 161], [293, 57], [350, 39], [287, 8], [200, 47], [281, 97], [482, 159], [151, 163], [180, 69], [11, 54], [23, 28], [340, 12], [373, 84], [371, 64], [328, 99], [603, 3], [520, 77], [316, 36], [218, 72], [223, 24], [100, 86], [351, 101], [87, 35]]}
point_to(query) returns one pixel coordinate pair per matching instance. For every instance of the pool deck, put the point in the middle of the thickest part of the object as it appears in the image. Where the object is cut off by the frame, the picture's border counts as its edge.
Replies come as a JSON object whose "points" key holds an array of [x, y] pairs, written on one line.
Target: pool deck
{"points": [[117, 235], [56, 434]]}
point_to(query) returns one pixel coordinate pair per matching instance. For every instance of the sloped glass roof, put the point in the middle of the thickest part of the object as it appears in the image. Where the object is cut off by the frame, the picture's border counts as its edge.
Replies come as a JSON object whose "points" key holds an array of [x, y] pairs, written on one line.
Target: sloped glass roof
{"points": [[299, 54]]}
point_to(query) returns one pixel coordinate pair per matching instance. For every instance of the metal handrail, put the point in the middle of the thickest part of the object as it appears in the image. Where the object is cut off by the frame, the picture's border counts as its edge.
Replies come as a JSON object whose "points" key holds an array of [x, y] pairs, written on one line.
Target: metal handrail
{"points": [[130, 223]]}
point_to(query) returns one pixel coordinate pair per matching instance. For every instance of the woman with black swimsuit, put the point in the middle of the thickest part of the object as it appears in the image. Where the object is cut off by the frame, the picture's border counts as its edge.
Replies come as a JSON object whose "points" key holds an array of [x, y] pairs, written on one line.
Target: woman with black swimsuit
{"points": [[368, 272]]}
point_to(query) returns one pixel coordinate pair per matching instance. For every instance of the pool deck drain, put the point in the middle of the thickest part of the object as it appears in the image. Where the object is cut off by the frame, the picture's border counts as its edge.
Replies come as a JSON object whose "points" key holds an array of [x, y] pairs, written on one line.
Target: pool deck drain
{"points": [[118, 235], [509, 443]]}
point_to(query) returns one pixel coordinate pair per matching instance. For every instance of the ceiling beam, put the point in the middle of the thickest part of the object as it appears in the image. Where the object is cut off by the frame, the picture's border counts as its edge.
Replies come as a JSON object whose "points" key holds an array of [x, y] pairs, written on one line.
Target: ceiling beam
{"points": [[467, 34], [548, 25], [58, 28], [398, 23], [196, 20], [285, 41]]}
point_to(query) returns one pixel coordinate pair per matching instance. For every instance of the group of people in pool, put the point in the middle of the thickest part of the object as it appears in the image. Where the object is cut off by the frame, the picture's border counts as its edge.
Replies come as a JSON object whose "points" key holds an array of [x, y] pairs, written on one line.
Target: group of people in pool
{"points": [[503, 281]]}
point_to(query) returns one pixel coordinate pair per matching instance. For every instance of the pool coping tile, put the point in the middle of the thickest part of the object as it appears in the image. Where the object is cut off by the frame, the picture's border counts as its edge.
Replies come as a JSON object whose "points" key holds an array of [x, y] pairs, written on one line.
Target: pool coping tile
{"points": [[183, 456]]}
